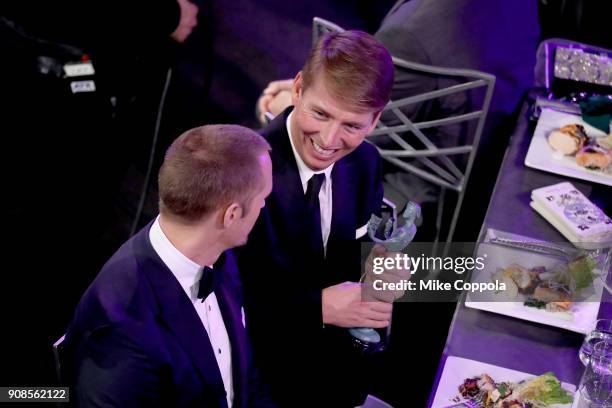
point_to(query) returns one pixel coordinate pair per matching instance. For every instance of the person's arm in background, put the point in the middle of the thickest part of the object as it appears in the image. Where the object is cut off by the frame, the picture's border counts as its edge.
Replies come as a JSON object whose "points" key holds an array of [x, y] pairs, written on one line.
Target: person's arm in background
{"points": [[187, 22], [399, 35], [275, 98]]}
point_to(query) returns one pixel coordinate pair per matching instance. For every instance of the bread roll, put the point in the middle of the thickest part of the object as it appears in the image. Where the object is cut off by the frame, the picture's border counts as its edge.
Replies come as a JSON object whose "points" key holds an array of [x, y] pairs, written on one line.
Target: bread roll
{"points": [[568, 140]]}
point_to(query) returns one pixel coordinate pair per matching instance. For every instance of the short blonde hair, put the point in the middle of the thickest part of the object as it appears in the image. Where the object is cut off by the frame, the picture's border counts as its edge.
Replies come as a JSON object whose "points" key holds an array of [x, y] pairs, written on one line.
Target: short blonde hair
{"points": [[357, 69], [208, 167]]}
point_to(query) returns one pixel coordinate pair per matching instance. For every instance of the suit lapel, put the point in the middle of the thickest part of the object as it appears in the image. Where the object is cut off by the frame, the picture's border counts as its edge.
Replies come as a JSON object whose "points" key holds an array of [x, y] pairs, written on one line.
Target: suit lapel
{"points": [[343, 205], [288, 194], [179, 316], [232, 316]]}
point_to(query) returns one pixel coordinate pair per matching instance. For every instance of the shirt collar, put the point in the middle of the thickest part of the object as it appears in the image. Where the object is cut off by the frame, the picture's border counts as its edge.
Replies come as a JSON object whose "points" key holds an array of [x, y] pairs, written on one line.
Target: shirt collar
{"points": [[305, 172], [184, 269]]}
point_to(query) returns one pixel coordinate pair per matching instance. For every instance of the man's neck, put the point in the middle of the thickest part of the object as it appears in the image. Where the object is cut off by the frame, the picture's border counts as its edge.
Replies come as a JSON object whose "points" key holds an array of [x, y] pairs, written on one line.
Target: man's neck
{"points": [[196, 241]]}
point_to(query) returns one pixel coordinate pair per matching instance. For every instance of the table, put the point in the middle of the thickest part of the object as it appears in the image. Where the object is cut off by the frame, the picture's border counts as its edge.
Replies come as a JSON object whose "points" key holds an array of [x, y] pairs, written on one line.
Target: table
{"points": [[505, 341]]}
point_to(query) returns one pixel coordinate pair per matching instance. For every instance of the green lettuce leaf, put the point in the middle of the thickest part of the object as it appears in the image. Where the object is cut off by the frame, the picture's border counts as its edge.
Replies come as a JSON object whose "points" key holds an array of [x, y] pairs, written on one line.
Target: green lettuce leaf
{"points": [[581, 270], [554, 393], [546, 388]]}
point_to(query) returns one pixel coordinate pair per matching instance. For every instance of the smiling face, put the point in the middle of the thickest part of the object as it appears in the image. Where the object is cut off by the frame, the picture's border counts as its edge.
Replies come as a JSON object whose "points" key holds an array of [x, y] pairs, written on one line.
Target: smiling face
{"points": [[323, 129]]}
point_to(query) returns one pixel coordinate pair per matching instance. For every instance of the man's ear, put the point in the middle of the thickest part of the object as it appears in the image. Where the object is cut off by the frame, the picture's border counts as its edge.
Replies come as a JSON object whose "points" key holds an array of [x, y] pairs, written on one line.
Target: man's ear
{"points": [[296, 90], [232, 213]]}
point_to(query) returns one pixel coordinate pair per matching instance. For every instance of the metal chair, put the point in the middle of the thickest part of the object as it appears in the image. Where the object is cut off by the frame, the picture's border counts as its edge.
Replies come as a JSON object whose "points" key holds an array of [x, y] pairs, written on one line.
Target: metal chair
{"points": [[411, 145], [58, 352], [405, 143], [321, 27], [61, 365]]}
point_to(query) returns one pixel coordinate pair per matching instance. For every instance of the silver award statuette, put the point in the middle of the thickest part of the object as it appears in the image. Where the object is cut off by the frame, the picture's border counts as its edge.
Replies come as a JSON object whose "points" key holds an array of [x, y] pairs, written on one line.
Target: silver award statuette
{"points": [[398, 232]]}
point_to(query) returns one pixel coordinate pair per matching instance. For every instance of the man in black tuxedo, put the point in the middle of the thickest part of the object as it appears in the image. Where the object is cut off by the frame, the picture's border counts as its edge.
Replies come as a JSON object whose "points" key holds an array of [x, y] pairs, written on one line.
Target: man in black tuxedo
{"points": [[305, 247], [161, 325]]}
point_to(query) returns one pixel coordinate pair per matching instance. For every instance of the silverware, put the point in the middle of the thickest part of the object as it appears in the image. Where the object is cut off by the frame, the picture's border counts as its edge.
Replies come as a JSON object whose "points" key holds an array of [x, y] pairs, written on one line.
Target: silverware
{"points": [[537, 246], [464, 404]]}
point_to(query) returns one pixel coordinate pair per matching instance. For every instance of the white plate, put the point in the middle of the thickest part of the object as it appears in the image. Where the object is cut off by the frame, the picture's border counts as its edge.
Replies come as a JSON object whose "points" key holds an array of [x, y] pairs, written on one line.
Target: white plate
{"points": [[541, 156], [457, 369], [584, 310]]}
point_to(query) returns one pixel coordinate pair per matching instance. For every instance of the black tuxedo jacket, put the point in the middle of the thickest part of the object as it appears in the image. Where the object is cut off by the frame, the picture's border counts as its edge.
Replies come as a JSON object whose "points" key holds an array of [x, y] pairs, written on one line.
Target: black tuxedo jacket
{"points": [[136, 339], [283, 282]]}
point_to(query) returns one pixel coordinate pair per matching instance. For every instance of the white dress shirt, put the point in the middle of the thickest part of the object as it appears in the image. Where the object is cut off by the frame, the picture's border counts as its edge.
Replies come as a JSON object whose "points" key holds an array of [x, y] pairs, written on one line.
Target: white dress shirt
{"points": [[325, 194], [188, 274]]}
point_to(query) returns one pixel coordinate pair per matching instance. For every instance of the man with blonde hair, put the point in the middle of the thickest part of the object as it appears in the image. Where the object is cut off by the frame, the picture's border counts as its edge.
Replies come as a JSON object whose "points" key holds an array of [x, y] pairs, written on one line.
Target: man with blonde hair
{"points": [[327, 184], [161, 325]]}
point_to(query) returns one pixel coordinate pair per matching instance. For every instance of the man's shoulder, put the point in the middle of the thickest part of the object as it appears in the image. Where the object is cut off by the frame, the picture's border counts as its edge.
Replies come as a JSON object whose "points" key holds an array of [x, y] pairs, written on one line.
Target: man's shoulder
{"points": [[123, 266], [118, 291], [275, 132], [365, 156]]}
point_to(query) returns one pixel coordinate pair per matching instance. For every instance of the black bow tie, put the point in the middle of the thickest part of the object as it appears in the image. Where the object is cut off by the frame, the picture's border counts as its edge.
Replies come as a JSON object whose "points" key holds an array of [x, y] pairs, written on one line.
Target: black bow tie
{"points": [[211, 278], [207, 283]]}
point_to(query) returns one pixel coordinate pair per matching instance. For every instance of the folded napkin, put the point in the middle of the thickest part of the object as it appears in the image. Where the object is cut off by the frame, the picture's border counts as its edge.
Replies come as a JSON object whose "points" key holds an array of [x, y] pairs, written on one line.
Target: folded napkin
{"points": [[578, 219], [597, 112]]}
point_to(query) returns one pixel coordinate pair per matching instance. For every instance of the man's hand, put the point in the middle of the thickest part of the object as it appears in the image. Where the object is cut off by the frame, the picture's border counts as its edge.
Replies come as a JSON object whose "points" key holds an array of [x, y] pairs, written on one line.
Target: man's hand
{"points": [[187, 22], [342, 306], [275, 98], [391, 275]]}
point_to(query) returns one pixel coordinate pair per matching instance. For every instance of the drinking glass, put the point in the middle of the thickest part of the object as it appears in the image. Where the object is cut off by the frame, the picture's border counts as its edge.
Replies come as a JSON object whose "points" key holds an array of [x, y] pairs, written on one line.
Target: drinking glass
{"points": [[596, 384], [601, 332]]}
